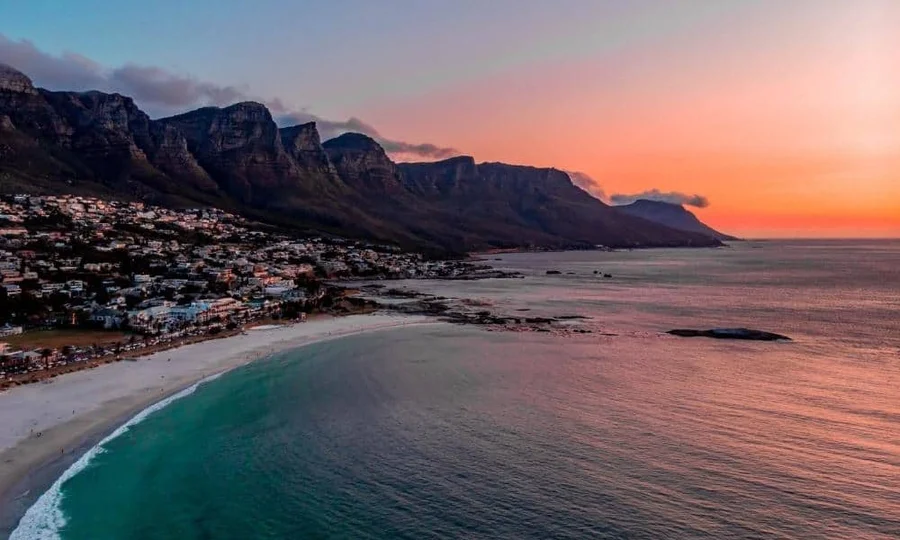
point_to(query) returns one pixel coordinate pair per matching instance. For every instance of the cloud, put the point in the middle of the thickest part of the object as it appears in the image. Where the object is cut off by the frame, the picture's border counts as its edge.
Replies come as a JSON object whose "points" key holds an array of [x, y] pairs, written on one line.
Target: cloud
{"points": [[588, 184], [158, 86], [328, 129], [162, 92], [73, 70], [158, 89], [672, 197]]}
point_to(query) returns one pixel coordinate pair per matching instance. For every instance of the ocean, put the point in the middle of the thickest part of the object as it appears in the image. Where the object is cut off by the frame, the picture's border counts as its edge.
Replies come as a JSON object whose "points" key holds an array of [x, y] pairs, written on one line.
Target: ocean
{"points": [[445, 431]]}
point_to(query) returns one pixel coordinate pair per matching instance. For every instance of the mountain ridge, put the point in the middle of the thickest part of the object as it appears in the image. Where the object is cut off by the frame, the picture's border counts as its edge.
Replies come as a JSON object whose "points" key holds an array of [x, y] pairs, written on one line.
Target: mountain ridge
{"points": [[672, 215], [237, 158]]}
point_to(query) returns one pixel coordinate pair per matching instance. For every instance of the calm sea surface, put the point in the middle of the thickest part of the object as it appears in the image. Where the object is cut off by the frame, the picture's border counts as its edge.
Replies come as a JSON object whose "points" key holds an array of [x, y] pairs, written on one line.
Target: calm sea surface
{"points": [[455, 432]]}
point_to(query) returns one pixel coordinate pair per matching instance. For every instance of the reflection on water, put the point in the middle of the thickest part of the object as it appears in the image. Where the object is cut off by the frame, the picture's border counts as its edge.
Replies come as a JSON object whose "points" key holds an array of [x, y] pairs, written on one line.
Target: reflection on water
{"points": [[454, 432]]}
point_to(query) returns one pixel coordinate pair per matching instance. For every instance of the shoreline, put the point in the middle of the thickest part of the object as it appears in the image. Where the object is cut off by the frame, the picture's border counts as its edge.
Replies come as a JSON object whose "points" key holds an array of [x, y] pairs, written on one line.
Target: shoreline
{"points": [[46, 427]]}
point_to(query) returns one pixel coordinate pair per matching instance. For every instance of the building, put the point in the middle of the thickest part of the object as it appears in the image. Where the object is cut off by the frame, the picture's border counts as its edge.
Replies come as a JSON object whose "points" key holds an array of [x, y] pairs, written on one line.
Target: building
{"points": [[109, 318], [12, 289], [7, 330], [224, 306], [195, 312], [150, 319]]}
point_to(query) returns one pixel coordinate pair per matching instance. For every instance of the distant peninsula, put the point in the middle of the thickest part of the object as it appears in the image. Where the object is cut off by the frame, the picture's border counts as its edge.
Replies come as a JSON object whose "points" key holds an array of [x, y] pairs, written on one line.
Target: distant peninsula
{"points": [[672, 215]]}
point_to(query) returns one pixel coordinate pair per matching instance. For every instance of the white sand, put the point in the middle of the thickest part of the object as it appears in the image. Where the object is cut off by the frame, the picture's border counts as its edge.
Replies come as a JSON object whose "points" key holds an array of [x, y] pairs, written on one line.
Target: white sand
{"points": [[68, 408]]}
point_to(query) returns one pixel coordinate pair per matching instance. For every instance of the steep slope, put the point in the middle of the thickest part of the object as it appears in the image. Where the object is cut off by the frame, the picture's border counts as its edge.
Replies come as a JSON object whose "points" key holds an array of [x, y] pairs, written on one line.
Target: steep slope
{"points": [[363, 164], [671, 215], [302, 143]]}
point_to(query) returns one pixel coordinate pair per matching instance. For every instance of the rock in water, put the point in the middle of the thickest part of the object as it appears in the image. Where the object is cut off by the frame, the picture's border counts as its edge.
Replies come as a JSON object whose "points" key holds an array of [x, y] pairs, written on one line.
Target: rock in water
{"points": [[730, 333]]}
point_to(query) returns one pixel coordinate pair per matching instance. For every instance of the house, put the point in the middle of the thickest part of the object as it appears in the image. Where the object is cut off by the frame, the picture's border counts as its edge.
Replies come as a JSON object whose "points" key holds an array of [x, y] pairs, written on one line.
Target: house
{"points": [[194, 312], [50, 288], [146, 319], [32, 357], [12, 362], [109, 318], [275, 292], [294, 295], [12, 289], [257, 305], [75, 285], [7, 330], [225, 306], [335, 267]]}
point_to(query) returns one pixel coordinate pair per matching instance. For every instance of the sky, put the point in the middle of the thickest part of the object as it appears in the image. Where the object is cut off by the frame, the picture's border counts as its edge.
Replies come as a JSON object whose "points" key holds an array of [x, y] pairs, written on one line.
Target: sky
{"points": [[769, 118]]}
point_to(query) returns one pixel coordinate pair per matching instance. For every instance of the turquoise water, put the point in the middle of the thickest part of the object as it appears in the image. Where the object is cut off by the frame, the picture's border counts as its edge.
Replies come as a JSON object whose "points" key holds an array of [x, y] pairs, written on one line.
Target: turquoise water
{"points": [[454, 432]]}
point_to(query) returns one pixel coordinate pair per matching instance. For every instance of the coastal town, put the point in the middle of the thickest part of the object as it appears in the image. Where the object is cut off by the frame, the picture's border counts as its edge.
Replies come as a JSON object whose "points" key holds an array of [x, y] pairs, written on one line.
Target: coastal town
{"points": [[83, 279]]}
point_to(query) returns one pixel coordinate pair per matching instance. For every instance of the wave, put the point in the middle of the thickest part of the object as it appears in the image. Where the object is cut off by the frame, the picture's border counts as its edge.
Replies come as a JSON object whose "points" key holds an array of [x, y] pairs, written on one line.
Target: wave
{"points": [[45, 519]]}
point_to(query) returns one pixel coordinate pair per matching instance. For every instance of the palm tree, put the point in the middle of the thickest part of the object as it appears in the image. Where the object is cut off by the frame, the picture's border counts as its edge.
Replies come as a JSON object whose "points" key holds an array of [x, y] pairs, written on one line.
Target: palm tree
{"points": [[45, 356]]}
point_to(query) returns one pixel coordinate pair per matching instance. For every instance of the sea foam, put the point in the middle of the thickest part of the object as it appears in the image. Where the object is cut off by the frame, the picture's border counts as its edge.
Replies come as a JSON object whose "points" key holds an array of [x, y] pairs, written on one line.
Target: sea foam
{"points": [[45, 519]]}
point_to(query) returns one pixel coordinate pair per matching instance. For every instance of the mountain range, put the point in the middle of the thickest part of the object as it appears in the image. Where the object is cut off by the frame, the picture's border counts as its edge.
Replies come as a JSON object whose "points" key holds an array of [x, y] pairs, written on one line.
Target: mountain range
{"points": [[238, 159]]}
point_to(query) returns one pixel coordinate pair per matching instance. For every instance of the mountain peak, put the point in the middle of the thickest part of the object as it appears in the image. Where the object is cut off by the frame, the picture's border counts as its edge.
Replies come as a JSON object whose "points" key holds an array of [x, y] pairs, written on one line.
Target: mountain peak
{"points": [[13, 80], [353, 141], [247, 106], [296, 128], [301, 137], [651, 203], [672, 215], [459, 161]]}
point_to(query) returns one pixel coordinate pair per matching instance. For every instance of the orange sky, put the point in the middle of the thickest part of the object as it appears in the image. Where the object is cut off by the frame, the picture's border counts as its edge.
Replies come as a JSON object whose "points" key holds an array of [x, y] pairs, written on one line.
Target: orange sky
{"points": [[787, 120], [784, 114]]}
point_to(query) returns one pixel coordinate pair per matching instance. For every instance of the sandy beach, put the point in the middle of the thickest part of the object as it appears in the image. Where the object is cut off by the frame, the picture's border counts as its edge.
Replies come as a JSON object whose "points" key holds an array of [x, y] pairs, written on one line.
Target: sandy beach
{"points": [[45, 426]]}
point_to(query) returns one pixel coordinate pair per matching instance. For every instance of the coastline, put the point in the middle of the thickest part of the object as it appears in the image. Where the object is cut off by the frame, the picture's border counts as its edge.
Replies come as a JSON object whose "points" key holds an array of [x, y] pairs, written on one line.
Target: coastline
{"points": [[46, 427]]}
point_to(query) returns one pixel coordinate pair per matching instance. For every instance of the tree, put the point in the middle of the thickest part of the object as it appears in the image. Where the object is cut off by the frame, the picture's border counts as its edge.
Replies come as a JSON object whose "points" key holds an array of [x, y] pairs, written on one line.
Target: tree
{"points": [[102, 296], [45, 356]]}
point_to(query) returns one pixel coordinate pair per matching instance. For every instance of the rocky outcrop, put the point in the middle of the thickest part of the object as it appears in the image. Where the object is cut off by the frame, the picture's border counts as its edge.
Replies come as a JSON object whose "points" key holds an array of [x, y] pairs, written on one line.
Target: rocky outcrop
{"points": [[302, 143], [730, 333], [241, 147], [363, 164], [170, 154], [12, 80], [6, 123], [102, 125], [28, 110], [440, 178]]}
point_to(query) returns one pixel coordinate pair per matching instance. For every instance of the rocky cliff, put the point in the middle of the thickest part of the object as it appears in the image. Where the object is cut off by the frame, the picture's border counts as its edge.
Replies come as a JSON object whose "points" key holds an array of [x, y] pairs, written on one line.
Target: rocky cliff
{"points": [[363, 164], [241, 147], [14, 81], [237, 158], [302, 143]]}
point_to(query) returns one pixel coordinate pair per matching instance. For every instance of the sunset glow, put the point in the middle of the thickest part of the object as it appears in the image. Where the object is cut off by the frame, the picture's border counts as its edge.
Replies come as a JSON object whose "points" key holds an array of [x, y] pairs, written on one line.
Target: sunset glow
{"points": [[785, 115]]}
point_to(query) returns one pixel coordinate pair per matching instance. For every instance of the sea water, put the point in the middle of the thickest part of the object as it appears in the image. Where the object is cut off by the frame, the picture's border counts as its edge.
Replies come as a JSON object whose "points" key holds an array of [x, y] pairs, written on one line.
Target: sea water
{"points": [[456, 432]]}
